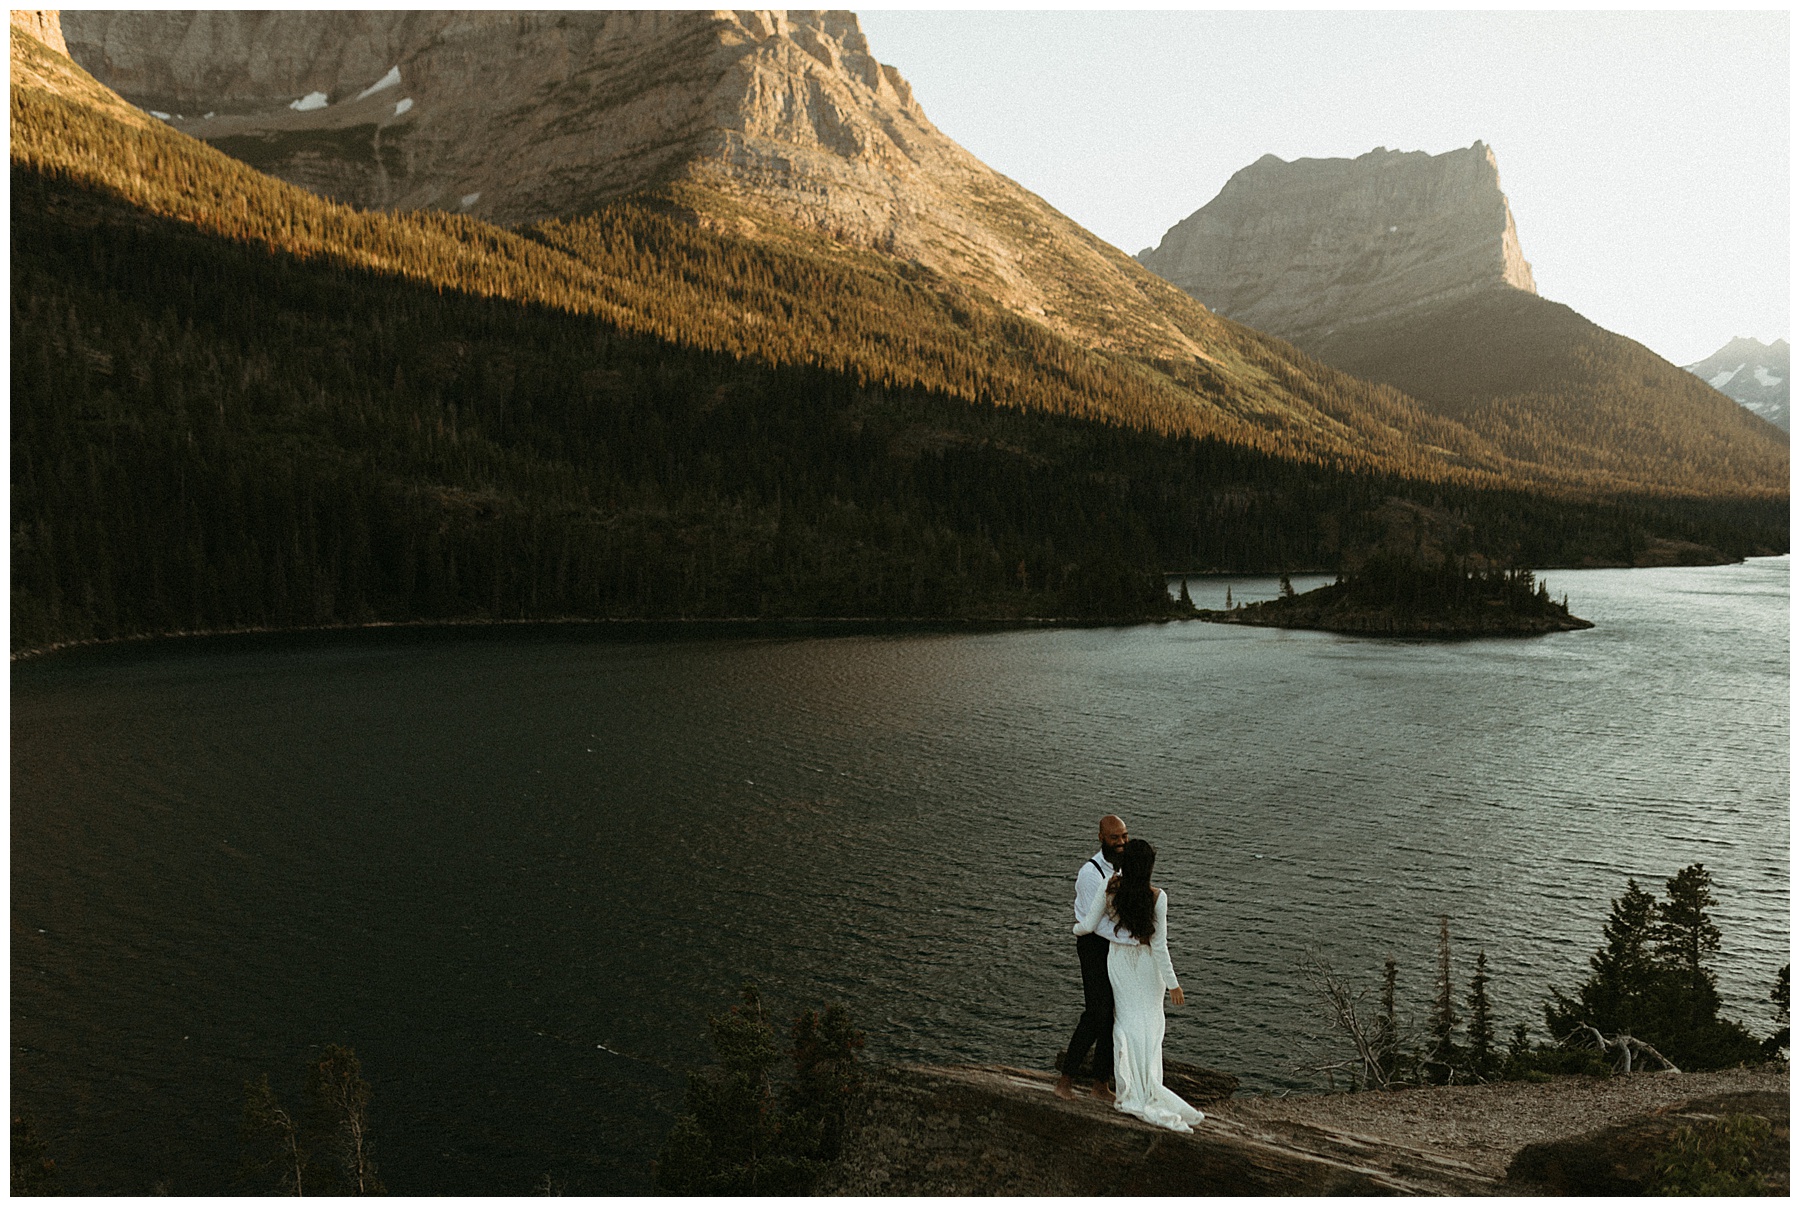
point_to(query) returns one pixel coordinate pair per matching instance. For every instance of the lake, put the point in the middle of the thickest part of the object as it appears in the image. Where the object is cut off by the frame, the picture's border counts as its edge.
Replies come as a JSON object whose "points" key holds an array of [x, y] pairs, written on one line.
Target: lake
{"points": [[515, 870]]}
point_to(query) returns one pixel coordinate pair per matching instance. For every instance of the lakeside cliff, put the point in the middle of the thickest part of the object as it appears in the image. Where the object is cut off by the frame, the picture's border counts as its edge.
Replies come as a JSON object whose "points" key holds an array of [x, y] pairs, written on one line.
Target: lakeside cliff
{"points": [[991, 1129]]}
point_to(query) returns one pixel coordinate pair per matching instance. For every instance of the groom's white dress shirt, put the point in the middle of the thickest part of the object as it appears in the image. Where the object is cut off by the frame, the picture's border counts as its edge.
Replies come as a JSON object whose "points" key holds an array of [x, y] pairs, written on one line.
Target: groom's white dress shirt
{"points": [[1089, 881]]}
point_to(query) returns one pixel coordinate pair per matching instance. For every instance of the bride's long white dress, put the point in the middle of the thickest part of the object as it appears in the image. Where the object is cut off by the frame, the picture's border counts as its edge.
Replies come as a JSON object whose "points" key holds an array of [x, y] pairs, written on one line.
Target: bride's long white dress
{"points": [[1140, 976]]}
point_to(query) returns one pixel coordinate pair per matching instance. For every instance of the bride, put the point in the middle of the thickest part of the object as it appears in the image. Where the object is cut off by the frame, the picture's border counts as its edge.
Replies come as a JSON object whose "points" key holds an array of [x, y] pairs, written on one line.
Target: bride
{"points": [[1138, 965]]}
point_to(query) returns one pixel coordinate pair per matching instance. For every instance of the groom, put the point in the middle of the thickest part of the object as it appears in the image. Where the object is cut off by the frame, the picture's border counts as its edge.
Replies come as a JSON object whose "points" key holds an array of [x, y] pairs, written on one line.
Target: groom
{"points": [[1096, 1026]]}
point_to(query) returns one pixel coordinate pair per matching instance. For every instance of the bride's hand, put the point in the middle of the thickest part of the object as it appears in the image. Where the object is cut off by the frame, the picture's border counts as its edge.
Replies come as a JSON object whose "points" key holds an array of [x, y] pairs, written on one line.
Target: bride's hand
{"points": [[1177, 996]]}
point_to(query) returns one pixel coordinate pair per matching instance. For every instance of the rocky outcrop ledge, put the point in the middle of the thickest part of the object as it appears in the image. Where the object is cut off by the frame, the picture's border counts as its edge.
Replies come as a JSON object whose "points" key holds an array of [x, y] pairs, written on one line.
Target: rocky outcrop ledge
{"points": [[992, 1129]]}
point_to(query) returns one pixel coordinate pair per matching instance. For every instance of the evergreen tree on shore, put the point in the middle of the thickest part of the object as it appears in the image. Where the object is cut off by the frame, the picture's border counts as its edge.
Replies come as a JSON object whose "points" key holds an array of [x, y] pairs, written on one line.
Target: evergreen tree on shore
{"points": [[1484, 1064], [1686, 941], [1445, 1058], [1778, 1042], [1387, 1022], [744, 1135], [1621, 991], [1652, 978]]}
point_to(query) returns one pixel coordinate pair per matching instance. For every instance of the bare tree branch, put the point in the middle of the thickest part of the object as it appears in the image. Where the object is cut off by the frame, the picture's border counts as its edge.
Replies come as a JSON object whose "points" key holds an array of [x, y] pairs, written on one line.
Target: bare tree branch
{"points": [[1622, 1046], [1373, 1065]]}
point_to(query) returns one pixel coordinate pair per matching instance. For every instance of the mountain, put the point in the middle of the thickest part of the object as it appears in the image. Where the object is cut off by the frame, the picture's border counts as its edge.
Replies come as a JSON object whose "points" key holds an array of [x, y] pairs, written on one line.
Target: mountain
{"points": [[1753, 373], [239, 404], [1406, 268], [777, 136], [781, 131], [1300, 249], [522, 117], [42, 24]]}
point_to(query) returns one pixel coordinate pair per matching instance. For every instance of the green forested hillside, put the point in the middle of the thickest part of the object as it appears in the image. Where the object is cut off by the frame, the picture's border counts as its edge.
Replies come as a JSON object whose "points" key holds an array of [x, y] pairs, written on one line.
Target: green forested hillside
{"points": [[235, 405]]}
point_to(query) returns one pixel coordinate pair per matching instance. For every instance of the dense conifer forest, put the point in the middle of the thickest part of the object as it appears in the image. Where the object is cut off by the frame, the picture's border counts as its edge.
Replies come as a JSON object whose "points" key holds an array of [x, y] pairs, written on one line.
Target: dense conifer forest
{"points": [[237, 405]]}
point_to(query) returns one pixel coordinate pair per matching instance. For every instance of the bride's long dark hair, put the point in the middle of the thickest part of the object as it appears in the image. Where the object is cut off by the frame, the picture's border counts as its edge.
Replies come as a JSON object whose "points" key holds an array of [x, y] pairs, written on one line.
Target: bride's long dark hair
{"points": [[1133, 904]]}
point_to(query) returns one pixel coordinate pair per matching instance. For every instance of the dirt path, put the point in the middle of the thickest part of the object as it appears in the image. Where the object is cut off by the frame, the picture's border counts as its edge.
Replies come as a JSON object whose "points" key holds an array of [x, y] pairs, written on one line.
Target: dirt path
{"points": [[1485, 1126]]}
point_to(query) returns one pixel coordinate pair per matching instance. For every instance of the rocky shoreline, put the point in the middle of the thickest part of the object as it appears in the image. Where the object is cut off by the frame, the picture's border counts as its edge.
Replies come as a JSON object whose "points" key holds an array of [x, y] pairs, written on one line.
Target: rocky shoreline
{"points": [[992, 1129]]}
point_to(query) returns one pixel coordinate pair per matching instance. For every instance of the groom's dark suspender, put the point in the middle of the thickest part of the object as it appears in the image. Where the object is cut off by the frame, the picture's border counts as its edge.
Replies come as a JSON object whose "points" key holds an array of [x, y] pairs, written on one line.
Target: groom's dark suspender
{"points": [[1096, 862]]}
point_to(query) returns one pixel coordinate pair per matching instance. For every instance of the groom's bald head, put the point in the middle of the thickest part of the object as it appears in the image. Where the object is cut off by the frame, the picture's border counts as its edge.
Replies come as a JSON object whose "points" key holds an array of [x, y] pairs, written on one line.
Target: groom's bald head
{"points": [[1112, 836]]}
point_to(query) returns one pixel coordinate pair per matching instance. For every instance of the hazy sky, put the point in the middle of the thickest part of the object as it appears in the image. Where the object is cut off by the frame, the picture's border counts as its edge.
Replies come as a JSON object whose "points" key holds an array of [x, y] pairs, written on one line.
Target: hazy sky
{"points": [[1645, 154]]}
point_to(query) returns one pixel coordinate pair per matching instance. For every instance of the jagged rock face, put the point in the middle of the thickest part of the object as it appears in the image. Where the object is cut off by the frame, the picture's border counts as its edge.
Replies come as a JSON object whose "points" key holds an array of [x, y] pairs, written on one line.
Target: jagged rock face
{"points": [[516, 117], [1298, 249], [43, 24], [532, 114], [1752, 373]]}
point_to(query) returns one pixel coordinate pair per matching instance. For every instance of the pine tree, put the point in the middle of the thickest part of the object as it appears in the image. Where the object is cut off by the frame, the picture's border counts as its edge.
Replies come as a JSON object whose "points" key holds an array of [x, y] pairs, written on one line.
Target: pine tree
{"points": [[1483, 1063], [741, 1137], [1387, 1023], [827, 1076], [1652, 981], [1773, 1045], [1518, 1052], [1686, 940], [1445, 1057], [1620, 994], [731, 1140]]}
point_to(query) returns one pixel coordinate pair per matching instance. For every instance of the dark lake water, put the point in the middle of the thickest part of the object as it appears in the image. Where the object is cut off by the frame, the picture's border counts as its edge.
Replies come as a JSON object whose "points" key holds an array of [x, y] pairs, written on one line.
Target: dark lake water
{"points": [[515, 872]]}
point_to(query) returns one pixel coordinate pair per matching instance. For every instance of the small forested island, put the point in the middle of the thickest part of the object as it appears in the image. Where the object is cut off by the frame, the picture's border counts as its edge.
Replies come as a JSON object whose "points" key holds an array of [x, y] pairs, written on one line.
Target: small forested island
{"points": [[1396, 597]]}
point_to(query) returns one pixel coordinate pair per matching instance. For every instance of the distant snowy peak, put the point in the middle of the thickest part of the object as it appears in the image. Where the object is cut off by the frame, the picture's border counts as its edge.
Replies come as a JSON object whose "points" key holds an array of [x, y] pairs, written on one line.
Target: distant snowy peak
{"points": [[1752, 373]]}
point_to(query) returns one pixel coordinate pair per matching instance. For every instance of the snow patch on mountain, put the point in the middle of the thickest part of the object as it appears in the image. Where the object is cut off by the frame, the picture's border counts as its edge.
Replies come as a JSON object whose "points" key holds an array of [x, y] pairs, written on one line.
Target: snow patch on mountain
{"points": [[309, 102], [390, 80], [1752, 374]]}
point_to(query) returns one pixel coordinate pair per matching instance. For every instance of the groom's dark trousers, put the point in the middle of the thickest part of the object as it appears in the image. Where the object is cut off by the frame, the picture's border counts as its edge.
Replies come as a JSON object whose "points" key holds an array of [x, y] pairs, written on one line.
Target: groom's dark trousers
{"points": [[1096, 1026]]}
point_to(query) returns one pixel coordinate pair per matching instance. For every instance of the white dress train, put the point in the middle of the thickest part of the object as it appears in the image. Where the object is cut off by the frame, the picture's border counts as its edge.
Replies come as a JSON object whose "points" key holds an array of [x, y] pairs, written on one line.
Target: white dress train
{"points": [[1140, 975]]}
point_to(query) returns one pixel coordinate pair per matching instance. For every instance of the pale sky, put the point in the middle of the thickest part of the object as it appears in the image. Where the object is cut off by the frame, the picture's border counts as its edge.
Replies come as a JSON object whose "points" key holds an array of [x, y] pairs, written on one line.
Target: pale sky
{"points": [[1645, 154]]}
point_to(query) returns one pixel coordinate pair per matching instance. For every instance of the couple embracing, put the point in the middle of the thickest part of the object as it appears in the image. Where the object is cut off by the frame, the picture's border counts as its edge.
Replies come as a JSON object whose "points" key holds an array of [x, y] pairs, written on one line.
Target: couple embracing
{"points": [[1121, 921]]}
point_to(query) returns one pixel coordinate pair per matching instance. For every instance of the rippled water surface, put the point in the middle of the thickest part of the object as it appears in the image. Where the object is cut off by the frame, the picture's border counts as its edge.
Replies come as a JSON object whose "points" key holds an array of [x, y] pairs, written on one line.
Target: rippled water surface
{"points": [[516, 872]]}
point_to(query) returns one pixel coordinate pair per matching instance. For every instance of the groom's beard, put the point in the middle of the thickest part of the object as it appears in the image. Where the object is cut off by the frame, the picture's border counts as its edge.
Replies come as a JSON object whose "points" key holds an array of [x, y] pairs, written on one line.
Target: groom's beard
{"points": [[1112, 853]]}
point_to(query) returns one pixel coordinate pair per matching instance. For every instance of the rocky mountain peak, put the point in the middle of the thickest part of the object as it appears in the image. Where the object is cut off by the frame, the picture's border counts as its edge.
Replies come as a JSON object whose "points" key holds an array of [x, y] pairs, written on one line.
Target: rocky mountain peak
{"points": [[1298, 248], [516, 117], [44, 24], [1751, 373]]}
